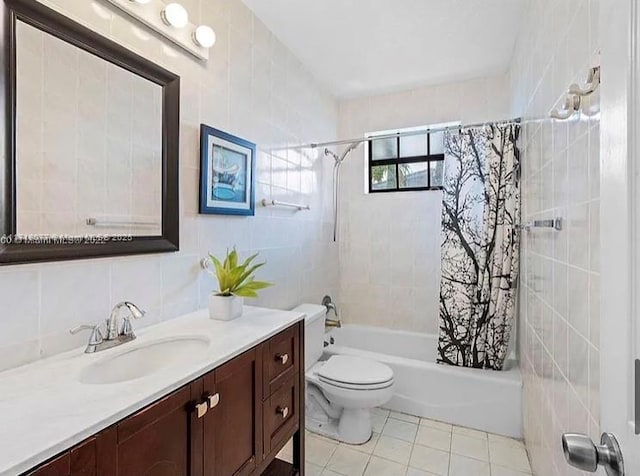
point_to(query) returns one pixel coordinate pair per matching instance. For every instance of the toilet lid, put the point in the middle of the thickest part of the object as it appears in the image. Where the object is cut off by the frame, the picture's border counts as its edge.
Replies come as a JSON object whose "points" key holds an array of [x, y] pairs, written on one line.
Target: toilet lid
{"points": [[352, 370]]}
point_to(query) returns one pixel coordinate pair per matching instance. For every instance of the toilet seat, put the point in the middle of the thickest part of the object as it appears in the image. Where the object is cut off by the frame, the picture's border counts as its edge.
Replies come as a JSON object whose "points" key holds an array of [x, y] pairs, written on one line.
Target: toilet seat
{"points": [[354, 373], [356, 386]]}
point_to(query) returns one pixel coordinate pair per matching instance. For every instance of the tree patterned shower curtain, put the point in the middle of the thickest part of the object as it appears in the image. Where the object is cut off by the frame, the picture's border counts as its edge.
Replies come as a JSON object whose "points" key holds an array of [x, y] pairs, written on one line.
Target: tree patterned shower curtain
{"points": [[480, 245]]}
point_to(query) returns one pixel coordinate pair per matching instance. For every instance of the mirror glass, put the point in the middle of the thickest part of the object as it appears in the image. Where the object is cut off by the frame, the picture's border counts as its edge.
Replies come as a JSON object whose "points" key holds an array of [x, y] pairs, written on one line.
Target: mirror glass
{"points": [[88, 143]]}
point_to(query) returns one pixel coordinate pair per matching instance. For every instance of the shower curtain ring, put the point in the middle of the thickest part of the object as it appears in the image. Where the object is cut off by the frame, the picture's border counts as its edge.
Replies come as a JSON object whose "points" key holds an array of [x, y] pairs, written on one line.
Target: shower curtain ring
{"points": [[593, 81], [571, 104]]}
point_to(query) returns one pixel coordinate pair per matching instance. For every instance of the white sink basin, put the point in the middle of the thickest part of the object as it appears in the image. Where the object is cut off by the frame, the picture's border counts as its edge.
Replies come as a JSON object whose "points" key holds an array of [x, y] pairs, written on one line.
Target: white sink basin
{"points": [[145, 360]]}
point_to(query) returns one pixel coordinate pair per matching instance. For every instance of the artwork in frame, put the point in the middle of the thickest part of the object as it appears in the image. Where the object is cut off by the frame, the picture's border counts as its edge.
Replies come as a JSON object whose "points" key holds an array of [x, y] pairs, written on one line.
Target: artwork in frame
{"points": [[227, 173]]}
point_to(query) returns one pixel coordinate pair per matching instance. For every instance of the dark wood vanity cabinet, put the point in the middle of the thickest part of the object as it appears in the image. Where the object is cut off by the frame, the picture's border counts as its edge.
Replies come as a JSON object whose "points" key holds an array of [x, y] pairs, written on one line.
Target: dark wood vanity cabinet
{"points": [[231, 421]]}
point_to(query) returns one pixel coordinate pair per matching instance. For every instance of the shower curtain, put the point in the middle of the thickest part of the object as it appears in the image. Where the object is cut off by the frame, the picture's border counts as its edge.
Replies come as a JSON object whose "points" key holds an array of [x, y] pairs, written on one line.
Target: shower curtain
{"points": [[480, 245]]}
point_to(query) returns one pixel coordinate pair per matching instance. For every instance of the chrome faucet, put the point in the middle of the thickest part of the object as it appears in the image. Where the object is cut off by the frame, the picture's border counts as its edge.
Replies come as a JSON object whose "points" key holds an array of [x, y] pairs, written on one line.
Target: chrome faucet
{"points": [[114, 332], [126, 329], [326, 302]]}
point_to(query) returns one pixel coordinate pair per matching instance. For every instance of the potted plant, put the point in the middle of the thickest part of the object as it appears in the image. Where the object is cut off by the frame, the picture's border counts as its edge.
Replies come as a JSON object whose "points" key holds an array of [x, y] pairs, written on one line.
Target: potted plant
{"points": [[235, 282]]}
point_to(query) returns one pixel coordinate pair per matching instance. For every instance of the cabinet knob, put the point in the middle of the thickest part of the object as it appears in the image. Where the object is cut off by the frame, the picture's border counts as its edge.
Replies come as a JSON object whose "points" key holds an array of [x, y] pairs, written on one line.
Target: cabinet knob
{"points": [[213, 400], [201, 409], [282, 358], [283, 411]]}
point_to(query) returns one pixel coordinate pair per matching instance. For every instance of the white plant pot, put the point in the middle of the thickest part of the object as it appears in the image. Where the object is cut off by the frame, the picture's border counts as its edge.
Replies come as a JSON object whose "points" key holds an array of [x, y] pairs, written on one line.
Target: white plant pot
{"points": [[225, 308]]}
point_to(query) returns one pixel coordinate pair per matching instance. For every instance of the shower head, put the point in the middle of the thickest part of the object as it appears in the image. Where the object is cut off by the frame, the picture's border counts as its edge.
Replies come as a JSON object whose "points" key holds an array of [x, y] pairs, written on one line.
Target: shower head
{"points": [[340, 158], [350, 149]]}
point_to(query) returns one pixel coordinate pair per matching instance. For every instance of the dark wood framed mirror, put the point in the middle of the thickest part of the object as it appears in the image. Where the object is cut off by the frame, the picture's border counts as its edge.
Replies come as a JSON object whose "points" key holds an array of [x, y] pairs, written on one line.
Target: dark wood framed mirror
{"points": [[92, 143]]}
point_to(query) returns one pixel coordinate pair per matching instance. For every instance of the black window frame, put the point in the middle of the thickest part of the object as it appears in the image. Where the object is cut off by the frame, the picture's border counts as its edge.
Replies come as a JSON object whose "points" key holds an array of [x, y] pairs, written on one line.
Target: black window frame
{"points": [[399, 160]]}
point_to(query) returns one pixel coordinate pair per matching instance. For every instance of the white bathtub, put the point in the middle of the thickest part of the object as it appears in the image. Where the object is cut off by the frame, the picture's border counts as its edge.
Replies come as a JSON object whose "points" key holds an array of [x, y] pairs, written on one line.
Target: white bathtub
{"points": [[483, 399]]}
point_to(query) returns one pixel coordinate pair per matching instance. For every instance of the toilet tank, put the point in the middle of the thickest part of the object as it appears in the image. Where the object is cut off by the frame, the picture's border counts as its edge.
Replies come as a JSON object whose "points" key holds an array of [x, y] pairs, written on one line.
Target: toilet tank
{"points": [[313, 332]]}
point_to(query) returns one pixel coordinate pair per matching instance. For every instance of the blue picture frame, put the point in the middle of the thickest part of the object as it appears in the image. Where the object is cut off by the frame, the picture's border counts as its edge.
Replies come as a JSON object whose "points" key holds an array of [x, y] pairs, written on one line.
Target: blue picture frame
{"points": [[227, 173]]}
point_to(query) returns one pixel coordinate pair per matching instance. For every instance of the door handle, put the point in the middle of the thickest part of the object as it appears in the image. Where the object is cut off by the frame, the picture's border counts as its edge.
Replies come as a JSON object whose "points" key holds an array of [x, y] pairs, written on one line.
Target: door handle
{"points": [[213, 400], [201, 409], [582, 453]]}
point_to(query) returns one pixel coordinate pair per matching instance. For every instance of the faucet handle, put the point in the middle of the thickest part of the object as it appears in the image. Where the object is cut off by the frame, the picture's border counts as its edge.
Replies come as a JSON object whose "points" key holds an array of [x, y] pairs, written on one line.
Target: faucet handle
{"points": [[96, 334], [127, 328], [328, 303], [83, 327]]}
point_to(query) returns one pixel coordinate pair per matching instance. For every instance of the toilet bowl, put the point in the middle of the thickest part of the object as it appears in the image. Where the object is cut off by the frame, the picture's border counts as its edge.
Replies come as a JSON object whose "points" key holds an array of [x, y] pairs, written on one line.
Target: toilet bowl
{"points": [[341, 390], [351, 386]]}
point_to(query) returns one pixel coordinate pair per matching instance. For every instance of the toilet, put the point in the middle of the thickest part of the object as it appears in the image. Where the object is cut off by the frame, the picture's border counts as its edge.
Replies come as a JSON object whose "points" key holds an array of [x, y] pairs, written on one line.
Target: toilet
{"points": [[342, 390]]}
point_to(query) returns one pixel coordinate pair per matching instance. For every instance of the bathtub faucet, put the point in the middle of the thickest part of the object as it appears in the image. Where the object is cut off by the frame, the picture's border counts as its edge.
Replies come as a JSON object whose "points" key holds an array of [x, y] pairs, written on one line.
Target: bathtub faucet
{"points": [[332, 323], [326, 302]]}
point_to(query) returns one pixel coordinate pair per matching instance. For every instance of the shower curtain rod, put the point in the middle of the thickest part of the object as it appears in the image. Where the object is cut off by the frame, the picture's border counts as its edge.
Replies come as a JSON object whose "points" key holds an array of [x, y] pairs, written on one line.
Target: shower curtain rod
{"points": [[416, 132]]}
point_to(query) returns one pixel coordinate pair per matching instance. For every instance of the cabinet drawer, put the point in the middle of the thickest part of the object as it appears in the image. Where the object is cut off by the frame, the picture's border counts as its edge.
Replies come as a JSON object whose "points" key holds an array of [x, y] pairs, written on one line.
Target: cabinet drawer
{"points": [[178, 400], [281, 359], [281, 414]]}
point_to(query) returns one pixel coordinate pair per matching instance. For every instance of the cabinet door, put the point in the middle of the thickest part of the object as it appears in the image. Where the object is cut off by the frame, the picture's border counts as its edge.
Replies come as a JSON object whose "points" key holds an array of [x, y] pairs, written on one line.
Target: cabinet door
{"points": [[155, 441], [233, 424], [281, 413], [59, 466], [79, 461]]}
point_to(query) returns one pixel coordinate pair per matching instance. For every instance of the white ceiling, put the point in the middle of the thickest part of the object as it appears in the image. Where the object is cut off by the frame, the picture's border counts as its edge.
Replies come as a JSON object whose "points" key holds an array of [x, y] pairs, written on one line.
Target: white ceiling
{"points": [[362, 47]]}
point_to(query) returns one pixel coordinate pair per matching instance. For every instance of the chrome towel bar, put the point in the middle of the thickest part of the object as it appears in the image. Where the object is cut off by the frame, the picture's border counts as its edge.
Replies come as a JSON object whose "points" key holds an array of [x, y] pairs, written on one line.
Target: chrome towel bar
{"points": [[118, 224], [555, 223], [277, 203]]}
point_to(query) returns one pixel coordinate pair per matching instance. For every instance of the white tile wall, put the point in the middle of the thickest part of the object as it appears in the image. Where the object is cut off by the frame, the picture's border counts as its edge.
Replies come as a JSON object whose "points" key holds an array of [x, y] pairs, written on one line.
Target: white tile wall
{"points": [[253, 87], [390, 243], [559, 343]]}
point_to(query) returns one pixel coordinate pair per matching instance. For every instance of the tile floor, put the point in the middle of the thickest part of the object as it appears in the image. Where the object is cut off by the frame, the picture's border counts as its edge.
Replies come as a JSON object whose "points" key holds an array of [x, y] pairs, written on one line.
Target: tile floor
{"points": [[405, 445]]}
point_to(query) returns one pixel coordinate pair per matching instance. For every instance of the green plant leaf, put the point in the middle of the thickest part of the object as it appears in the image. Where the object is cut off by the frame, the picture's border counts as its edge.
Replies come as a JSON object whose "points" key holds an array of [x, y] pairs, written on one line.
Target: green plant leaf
{"points": [[249, 260], [235, 279], [247, 293], [249, 273], [256, 285], [219, 269], [246, 273], [233, 259]]}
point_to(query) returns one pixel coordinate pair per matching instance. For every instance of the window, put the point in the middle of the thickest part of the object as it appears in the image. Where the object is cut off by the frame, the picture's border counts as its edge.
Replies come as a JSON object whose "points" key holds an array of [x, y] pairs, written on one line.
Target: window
{"points": [[406, 163]]}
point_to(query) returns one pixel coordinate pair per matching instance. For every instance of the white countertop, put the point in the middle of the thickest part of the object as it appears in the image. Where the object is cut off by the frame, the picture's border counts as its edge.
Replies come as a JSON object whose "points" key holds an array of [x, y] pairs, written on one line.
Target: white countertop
{"points": [[45, 409]]}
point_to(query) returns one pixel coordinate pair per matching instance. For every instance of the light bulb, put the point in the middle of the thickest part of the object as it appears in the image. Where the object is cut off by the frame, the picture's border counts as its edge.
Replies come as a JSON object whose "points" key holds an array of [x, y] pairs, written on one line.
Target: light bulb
{"points": [[175, 15], [204, 36]]}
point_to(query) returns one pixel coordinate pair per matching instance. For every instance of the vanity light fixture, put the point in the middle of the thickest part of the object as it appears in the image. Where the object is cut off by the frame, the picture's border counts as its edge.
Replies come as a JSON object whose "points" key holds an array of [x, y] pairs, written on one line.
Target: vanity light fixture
{"points": [[204, 36], [175, 15], [170, 19]]}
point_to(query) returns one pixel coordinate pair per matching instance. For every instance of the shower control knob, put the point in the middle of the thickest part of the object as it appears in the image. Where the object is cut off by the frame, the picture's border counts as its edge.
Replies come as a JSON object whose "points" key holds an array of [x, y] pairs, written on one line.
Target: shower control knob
{"points": [[582, 453]]}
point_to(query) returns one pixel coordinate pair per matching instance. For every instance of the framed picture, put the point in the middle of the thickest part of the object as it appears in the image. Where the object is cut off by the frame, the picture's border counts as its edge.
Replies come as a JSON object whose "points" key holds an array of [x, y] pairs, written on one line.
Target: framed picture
{"points": [[227, 173]]}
